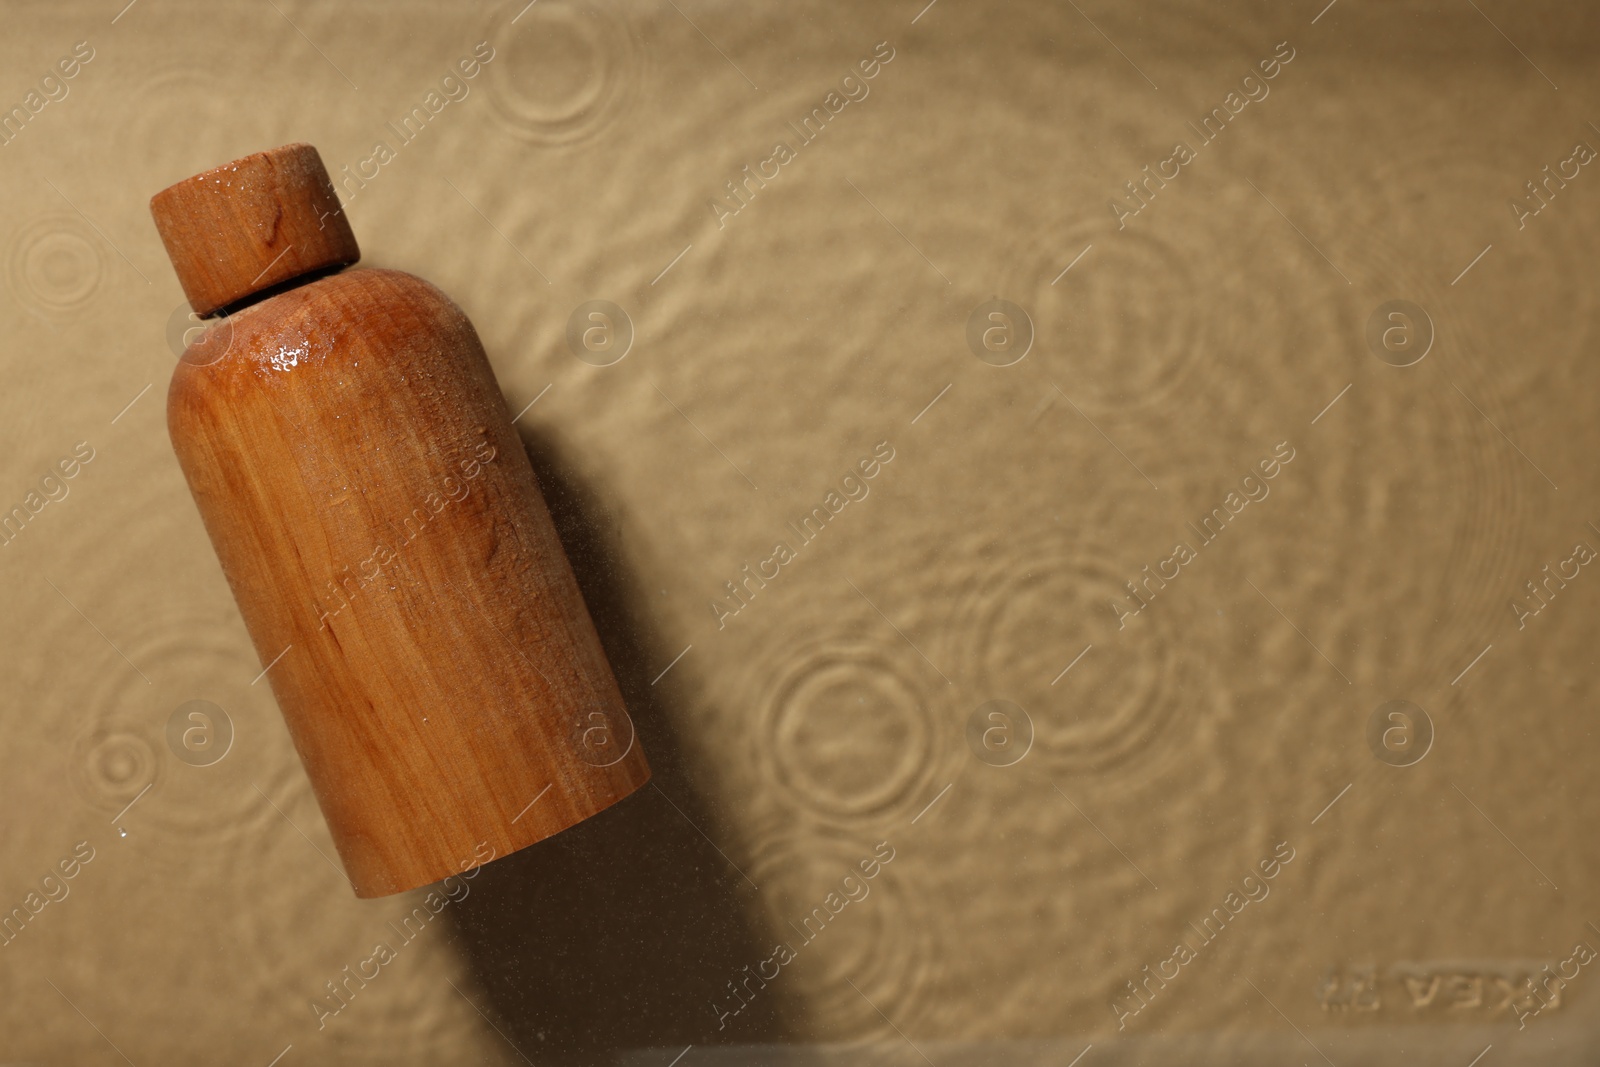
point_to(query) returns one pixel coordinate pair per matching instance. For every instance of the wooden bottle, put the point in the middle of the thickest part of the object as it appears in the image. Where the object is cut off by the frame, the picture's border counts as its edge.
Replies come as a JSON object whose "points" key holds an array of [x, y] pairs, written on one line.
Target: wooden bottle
{"points": [[379, 523]]}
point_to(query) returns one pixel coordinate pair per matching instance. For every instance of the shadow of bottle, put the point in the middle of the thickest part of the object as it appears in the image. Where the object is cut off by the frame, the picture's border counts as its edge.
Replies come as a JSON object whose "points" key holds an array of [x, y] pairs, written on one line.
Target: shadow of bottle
{"points": [[623, 932]]}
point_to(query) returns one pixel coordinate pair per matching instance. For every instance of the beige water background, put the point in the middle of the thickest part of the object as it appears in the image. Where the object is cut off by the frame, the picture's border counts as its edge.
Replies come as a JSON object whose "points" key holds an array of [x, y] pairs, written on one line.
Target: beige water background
{"points": [[772, 350]]}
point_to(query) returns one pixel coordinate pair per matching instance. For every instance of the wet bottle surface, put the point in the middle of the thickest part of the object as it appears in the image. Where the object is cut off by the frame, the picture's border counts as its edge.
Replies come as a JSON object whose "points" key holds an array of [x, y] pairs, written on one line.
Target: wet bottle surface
{"points": [[371, 504]]}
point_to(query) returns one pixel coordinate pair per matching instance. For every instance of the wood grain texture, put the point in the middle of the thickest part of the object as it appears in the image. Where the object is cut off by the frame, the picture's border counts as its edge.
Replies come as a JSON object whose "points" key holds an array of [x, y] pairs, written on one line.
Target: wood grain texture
{"points": [[251, 224], [375, 514]]}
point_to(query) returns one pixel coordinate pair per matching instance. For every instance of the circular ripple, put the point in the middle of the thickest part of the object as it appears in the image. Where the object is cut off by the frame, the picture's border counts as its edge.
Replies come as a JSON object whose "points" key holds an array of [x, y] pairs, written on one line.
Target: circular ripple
{"points": [[1460, 476], [1124, 326], [55, 265], [120, 749], [561, 72], [1035, 608], [847, 731], [882, 942], [113, 762]]}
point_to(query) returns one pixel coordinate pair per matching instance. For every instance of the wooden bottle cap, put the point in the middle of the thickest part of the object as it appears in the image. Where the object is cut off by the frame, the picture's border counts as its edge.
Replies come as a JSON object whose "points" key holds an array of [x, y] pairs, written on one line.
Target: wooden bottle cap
{"points": [[251, 224]]}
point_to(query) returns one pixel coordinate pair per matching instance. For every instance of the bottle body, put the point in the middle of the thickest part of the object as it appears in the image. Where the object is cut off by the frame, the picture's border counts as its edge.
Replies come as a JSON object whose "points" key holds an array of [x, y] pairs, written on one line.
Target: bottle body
{"points": [[381, 528]]}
